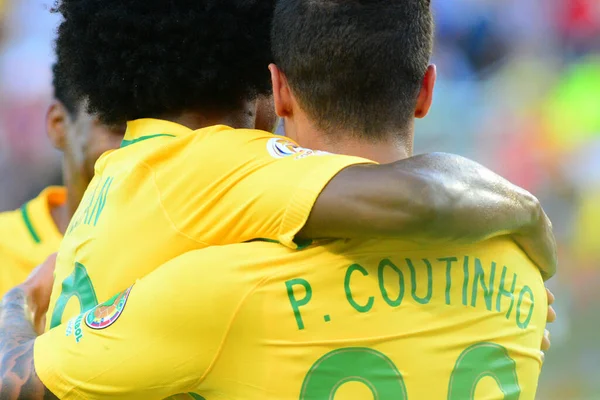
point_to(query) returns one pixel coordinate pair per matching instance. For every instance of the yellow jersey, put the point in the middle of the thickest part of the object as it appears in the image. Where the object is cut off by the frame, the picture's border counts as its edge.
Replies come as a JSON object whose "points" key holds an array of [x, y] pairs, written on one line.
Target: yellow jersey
{"points": [[346, 320], [28, 236], [170, 190]]}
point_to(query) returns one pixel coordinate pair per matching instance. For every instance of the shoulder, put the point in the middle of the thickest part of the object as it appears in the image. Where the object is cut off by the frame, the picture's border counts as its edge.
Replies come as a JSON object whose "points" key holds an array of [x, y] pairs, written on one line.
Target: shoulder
{"points": [[248, 143], [17, 242], [243, 264], [503, 248], [12, 225], [230, 141], [9, 219]]}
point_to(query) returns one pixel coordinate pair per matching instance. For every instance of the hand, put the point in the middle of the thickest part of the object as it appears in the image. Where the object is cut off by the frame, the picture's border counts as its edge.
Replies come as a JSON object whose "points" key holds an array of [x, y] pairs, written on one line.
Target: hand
{"points": [[550, 318], [38, 288]]}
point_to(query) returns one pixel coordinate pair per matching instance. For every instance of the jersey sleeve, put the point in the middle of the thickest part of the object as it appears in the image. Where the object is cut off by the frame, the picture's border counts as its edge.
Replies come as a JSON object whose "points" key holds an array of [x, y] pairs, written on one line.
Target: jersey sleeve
{"points": [[154, 340], [260, 187]]}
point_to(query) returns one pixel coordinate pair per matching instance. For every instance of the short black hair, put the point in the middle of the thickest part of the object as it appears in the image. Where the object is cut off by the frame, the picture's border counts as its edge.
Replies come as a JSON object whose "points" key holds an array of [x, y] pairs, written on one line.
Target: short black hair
{"points": [[355, 65], [62, 92], [150, 58]]}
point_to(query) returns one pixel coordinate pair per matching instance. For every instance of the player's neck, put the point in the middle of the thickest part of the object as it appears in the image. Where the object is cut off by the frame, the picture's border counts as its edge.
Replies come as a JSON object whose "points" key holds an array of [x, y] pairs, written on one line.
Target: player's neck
{"points": [[61, 216], [395, 146], [383, 152], [243, 118], [76, 185]]}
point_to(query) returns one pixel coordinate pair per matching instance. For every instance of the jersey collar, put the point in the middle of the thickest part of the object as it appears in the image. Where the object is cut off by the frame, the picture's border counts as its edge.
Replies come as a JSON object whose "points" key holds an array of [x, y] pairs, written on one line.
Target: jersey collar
{"points": [[38, 218], [147, 128]]}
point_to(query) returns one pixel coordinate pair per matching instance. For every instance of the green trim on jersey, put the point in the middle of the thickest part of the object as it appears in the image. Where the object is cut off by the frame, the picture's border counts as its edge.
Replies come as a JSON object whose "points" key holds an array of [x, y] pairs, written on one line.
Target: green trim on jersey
{"points": [[126, 143], [28, 224], [301, 243], [264, 240]]}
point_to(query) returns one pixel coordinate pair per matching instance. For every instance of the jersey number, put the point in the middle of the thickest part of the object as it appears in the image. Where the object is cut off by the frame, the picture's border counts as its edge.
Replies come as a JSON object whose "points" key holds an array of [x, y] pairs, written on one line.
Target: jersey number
{"points": [[77, 284], [382, 377]]}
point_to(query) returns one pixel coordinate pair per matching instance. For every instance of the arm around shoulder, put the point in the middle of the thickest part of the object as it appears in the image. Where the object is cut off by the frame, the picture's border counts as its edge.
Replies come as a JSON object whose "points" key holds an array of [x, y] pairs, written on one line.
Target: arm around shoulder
{"points": [[432, 198]]}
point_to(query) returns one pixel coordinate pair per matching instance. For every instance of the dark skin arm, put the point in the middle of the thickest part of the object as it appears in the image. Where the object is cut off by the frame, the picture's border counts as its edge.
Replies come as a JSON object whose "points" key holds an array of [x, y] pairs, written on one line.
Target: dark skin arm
{"points": [[433, 198]]}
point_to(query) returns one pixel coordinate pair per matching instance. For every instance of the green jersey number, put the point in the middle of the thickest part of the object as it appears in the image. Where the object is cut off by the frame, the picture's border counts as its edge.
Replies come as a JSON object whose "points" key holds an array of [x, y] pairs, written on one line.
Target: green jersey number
{"points": [[382, 377], [77, 284], [477, 362], [350, 364]]}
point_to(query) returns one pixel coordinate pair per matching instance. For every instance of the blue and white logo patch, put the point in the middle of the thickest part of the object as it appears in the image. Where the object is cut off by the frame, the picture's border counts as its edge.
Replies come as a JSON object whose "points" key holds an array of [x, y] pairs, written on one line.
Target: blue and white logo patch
{"points": [[281, 148]]}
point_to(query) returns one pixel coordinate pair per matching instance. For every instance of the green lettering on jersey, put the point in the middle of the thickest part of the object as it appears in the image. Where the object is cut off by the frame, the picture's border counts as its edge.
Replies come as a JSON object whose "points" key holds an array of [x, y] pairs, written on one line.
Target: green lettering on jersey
{"points": [[386, 263], [362, 309], [413, 281], [479, 280], [503, 292], [465, 280], [295, 303], [449, 261], [525, 324], [83, 211], [99, 203]]}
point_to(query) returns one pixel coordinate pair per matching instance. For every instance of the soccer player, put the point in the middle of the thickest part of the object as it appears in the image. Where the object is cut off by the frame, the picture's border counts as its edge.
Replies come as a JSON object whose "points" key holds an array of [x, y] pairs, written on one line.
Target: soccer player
{"points": [[193, 172], [29, 235], [354, 318]]}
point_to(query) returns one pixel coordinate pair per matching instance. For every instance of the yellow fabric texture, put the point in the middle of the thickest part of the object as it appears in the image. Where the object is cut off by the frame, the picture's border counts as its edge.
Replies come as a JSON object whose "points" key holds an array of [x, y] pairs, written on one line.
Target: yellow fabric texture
{"points": [[28, 236], [345, 320], [169, 190]]}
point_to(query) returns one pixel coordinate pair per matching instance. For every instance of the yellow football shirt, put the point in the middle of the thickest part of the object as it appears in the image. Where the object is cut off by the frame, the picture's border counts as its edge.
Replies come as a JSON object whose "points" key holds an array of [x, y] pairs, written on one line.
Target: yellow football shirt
{"points": [[170, 190], [28, 236], [347, 320]]}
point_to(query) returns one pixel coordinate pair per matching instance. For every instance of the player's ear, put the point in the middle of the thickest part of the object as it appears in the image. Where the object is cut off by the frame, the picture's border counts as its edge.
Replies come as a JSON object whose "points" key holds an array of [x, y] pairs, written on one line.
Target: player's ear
{"points": [[282, 96], [426, 93], [57, 119]]}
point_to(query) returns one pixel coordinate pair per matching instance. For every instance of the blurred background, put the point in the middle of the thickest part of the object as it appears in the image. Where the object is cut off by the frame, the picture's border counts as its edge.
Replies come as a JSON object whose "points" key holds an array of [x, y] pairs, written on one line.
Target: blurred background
{"points": [[519, 91]]}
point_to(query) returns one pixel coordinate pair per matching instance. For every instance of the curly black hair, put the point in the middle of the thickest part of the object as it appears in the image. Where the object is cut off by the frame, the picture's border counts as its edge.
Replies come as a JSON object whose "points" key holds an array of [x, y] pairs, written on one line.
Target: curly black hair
{"points": [[62, 92], [150, 58]]}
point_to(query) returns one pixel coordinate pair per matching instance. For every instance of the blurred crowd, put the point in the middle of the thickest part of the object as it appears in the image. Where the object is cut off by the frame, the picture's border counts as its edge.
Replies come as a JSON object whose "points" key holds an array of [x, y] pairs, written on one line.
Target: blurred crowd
{"points": [[518, 90]]}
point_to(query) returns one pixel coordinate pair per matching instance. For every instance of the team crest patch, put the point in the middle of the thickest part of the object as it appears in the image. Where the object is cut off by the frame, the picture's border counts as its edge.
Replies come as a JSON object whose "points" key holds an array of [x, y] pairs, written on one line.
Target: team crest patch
{"points": [[281, 148], [106, 314]]}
